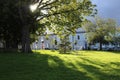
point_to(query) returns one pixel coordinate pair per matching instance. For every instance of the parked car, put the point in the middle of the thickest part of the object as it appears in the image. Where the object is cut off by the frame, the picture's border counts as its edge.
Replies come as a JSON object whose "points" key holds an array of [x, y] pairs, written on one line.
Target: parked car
{"points": [[94, 48], [105, 48], [108, 48], [117, 49]]}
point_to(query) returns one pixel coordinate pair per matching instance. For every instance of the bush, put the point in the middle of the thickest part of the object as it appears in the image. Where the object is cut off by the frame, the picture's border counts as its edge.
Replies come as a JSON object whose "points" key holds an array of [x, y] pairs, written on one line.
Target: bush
{"points": [[65, 47]]}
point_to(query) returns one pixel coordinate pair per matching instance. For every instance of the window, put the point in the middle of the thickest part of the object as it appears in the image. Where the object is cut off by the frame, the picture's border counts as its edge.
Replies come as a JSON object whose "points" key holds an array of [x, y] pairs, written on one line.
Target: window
{"points": [[78, 37], [55, 42]]}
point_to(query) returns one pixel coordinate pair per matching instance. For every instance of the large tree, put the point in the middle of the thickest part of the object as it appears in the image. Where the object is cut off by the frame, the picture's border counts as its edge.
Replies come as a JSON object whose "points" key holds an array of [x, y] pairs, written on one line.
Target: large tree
{"points": [[101, 31], [10, 28], [46, 14]]}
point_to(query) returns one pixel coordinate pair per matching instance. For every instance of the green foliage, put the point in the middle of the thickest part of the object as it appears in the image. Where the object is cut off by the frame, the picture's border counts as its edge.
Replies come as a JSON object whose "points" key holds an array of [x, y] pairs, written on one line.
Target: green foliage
{"points": [[68, 15], [65, 46], [10, 28], [116, 37], [19, 22], [101, 31]]}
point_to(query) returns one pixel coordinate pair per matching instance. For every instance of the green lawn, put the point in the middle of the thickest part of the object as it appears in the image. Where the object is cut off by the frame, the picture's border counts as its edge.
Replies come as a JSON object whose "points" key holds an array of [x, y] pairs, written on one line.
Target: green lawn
{"points": [[49, 65]]}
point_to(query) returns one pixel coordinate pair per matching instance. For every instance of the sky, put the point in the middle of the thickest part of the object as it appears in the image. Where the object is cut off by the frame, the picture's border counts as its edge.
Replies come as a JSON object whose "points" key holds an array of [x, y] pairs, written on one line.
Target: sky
{"points": [[108, 9]]}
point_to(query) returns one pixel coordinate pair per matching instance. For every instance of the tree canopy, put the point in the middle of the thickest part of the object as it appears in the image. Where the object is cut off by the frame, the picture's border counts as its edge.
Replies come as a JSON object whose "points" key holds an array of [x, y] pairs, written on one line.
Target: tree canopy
{"points": [[18, 22], [102, 31]]}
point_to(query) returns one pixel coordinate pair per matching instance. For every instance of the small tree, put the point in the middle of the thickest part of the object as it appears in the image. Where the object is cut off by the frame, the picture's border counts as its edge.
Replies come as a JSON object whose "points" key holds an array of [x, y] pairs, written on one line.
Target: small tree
{"points": [[102, 31], [65, 45], [116, 37]]}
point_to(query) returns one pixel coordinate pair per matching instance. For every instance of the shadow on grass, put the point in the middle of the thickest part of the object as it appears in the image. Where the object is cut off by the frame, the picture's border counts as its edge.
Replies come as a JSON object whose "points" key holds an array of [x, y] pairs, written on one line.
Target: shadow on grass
{"points": [[46, 67], [36, 67], [106, 73], [117, 52]]}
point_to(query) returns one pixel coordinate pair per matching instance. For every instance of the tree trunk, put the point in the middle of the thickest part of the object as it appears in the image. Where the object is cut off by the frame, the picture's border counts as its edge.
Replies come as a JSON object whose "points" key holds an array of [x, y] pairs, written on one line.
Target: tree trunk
{"points": [[15, 44], [7, 44], [23, 12], [100, 45], [26, 40]]}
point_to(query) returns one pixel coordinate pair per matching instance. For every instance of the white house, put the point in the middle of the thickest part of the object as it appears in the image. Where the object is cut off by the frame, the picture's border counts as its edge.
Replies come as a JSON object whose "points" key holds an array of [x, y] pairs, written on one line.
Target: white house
{"points": [[49, 42]]}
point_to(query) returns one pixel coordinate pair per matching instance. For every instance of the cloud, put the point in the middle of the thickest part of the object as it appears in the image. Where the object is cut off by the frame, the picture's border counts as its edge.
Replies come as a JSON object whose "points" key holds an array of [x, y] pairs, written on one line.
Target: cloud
{"points": [[108, 8]]}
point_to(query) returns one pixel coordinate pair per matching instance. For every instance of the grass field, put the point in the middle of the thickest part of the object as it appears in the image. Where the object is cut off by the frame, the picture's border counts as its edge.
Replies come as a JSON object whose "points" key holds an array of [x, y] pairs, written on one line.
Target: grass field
{"points": [[50, 65]]}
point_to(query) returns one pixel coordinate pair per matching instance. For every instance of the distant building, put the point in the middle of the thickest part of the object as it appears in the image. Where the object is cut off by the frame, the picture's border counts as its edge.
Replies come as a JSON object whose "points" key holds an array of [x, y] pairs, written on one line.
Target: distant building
{"points": [[78, 41]]}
